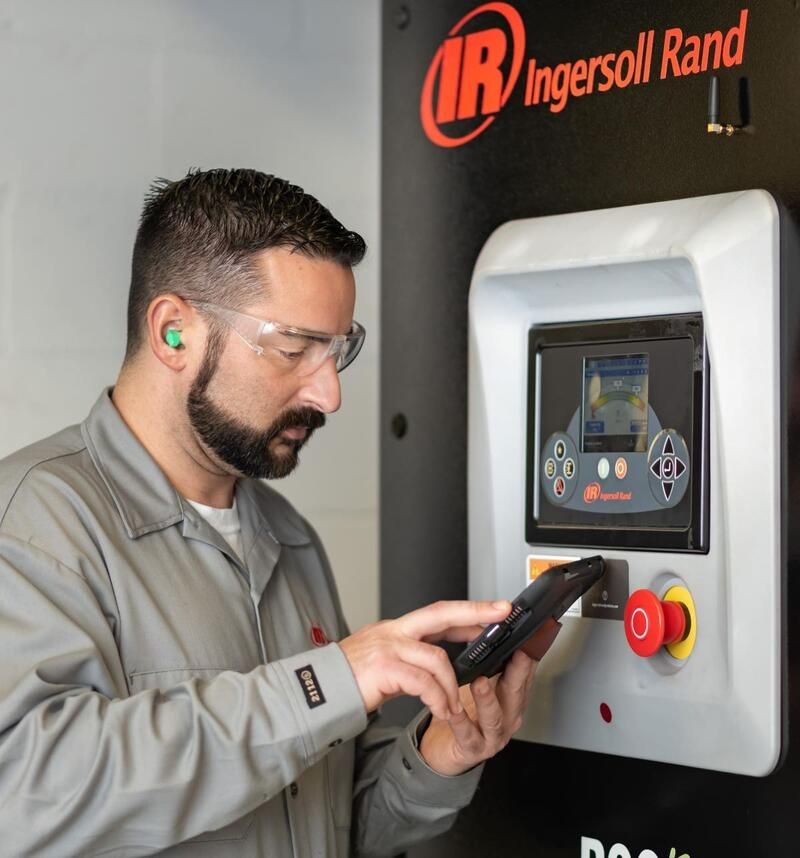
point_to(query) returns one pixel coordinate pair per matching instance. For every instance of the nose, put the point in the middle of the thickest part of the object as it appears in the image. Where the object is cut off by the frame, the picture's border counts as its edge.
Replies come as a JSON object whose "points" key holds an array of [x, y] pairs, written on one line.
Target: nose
{"points": [[322, 389]]}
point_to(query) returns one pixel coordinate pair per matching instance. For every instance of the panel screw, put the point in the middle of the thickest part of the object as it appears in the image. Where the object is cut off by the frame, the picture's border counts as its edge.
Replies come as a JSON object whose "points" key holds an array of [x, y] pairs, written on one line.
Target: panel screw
{"points": [[399, 425], [402, 17]]}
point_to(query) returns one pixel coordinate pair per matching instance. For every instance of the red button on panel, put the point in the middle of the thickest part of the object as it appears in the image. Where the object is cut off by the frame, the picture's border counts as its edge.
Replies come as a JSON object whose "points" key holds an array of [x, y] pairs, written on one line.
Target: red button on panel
{"points": [[651, 623]]}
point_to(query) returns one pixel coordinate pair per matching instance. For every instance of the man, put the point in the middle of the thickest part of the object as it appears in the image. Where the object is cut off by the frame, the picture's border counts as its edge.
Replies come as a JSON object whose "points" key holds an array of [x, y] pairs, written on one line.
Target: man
{"points": [[167, 685]]}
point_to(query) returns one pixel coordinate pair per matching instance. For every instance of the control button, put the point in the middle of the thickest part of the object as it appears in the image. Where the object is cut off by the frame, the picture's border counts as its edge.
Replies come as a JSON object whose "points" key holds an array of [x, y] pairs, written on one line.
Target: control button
{"points": [[621, 468], [498, 634], [640, 624], [603, 468], [651, 623], [559, 468], [668, 468]]}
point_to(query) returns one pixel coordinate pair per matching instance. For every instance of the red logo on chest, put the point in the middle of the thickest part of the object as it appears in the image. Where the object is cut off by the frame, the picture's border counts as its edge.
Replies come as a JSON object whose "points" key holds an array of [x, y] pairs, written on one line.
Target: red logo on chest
{"points": [[318, 637]]}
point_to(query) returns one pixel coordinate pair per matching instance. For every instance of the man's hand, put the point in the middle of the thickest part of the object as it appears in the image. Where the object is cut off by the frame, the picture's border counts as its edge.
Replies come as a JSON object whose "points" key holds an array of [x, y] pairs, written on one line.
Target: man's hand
{"points": [[493, 711], [396, 657]]}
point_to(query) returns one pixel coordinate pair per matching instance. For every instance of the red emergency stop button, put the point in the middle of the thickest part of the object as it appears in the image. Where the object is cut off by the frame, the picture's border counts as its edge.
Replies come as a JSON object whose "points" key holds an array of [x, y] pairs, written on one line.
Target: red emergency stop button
{"points": [[651, 623]]}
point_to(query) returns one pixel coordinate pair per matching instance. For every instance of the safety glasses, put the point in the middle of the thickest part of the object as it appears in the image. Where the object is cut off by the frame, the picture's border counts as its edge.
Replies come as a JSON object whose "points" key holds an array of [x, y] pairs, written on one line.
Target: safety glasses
{"points": [[292, 350]]}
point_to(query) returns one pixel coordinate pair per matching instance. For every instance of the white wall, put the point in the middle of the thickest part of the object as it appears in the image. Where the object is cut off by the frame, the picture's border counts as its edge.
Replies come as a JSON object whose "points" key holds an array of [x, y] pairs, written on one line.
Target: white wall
{"points": [[98, 97]]}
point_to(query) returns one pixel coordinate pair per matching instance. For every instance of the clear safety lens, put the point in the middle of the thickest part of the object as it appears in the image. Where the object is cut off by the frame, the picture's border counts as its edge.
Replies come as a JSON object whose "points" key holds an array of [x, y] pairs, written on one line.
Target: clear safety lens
{"points": [[290, 349], [304, 352]]}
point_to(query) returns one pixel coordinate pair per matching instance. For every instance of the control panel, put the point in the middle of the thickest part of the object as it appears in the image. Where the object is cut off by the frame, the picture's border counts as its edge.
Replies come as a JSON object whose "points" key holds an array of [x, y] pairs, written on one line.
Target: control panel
{"points": [[617, 422], [626, 390]]}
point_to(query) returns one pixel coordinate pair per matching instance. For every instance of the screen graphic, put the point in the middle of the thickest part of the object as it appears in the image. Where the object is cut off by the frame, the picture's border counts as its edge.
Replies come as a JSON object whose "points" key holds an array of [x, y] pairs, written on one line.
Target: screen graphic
{"points": [[615, 403]]}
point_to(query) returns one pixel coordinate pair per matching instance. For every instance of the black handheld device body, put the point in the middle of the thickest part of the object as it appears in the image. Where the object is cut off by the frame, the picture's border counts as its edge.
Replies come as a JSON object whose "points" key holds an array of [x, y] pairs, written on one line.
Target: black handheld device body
{"points": [[548, 596]]}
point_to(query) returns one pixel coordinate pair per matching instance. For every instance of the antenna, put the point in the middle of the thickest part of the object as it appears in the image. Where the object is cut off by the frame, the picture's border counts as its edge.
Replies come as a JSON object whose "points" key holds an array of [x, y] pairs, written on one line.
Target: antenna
{"points": [[713, 101], [714, 126]]}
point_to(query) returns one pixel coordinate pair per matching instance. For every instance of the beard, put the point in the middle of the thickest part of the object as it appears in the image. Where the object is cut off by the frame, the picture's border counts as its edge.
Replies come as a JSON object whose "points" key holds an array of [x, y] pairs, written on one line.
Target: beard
{"points": [[244, 448]]}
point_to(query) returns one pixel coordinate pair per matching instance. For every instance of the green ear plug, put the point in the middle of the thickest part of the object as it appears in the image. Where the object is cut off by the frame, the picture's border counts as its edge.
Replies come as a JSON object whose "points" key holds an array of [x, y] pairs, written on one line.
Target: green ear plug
{"points": [[173, 338]]}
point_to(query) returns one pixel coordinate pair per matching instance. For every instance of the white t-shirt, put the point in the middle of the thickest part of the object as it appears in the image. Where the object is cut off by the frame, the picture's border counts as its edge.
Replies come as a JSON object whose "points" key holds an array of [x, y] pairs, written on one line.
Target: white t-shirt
{"points": [[225, 522]]}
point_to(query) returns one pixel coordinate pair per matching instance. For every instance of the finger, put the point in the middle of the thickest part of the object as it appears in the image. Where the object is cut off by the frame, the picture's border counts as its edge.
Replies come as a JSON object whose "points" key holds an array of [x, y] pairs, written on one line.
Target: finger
{"points": [[440, 617], [515, 675], [512, 690], [418, 683], [468, 701], [531, 675], [468, 737], [458, 634], [435, 661], [489, 711], [540, 641]]}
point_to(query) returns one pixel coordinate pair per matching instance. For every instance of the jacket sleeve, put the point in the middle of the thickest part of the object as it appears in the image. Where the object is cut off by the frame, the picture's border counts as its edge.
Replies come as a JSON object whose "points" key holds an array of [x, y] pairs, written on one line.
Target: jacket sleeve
{"points": [[85, 767], [398, 800]]}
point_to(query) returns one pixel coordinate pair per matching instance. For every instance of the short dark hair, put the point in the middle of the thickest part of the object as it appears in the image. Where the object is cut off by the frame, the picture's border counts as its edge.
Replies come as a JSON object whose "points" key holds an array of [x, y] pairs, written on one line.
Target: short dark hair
{"points": [[197, 237]]}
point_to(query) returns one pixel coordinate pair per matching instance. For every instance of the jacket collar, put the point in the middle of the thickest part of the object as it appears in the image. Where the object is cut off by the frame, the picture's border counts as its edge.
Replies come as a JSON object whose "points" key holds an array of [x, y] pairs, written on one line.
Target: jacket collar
{"points": [[145, 498]]}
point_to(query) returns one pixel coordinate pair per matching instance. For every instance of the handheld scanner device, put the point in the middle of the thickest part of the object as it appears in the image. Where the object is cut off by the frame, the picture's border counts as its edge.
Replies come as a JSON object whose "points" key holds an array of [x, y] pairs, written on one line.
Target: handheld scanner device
{"points": [[548, 596]]}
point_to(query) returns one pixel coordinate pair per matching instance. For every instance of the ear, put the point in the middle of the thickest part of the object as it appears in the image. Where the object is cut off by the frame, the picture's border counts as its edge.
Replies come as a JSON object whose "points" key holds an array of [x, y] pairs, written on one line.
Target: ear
{"points": [[170, 332]]}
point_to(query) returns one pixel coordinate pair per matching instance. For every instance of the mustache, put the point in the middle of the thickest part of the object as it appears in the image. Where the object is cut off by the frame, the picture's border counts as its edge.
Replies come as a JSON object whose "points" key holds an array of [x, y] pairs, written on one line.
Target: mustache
{"points": [[309, 418]]}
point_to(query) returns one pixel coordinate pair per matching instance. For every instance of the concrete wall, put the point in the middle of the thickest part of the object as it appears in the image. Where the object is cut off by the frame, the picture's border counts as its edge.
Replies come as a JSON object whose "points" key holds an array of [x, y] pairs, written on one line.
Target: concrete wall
{"points": [[98, 97]]}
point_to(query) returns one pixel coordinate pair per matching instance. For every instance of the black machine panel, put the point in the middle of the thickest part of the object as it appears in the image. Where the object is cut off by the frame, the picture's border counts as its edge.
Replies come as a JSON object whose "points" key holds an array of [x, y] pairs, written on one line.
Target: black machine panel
{"points": [[638, 144]]}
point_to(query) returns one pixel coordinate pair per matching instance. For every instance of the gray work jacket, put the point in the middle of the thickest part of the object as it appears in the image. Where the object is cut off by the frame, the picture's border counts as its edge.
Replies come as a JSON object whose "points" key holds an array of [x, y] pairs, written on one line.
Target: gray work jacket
{"points": [[156, 691]]}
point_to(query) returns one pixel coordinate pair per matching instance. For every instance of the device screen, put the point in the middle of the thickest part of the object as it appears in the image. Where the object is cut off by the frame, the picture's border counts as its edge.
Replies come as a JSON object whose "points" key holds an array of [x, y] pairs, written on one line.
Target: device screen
{"points": [[615, 403]]}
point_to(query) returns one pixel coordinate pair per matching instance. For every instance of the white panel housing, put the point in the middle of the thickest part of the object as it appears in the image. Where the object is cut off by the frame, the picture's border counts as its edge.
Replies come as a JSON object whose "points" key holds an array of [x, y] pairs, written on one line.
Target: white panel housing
{"points": [[715, 255]]}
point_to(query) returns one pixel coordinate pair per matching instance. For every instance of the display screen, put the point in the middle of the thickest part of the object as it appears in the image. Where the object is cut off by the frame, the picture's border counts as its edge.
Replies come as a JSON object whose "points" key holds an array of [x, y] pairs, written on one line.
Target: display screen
{"points": [[615, 403], [603, 400]]}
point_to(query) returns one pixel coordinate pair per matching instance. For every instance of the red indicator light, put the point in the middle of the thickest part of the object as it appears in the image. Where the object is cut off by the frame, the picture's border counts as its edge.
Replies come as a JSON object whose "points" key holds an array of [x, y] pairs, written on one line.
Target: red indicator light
{"points": [[605, 712]]}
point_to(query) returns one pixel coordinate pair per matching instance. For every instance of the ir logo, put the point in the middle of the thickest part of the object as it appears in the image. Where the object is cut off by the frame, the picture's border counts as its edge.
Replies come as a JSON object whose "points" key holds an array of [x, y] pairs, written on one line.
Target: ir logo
{"points": [[592, 493], [469, 79]]}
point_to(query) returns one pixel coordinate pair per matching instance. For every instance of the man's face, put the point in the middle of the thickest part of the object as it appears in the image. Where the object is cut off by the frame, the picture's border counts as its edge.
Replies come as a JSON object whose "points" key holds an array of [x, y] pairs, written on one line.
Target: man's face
{"points": [[250, 418]]}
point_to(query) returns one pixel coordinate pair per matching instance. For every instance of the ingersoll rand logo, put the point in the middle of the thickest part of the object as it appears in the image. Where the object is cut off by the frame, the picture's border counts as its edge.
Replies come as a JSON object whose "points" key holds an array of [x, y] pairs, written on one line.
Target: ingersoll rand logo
{"points": [[476, 69], [591, 493], [466, 80], [594, 492]]}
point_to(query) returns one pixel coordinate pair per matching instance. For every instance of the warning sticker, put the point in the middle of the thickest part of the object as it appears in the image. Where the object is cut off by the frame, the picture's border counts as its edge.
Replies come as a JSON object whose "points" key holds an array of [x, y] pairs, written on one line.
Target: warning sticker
{"points": [[537, 564]]}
